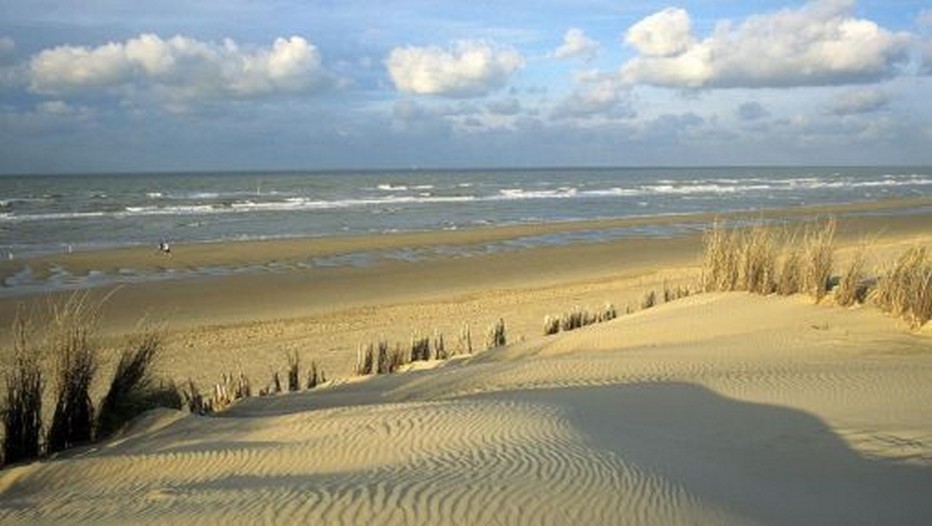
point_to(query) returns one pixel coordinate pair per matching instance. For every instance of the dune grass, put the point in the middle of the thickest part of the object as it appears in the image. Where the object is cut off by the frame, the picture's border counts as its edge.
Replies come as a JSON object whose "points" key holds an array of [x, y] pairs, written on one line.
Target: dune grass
{"points": [[905, 288], [71, 334], [22, 410], [294, 362], [133, 389], [194, 400], [315, 376], [578, 317], [818, 258], [763, 260], [790, 268], [852, 287], [496, 335], [465, 339]]}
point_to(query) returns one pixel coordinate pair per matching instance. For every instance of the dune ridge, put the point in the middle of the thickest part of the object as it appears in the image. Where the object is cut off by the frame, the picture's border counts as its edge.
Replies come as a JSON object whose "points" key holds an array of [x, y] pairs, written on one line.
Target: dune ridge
{"points": [[741, 410]]}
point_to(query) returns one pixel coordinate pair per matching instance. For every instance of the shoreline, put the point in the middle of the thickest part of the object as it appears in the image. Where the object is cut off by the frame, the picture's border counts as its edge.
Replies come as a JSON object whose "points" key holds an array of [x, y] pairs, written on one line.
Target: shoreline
{"points": [[111, 266], [249, 318]]}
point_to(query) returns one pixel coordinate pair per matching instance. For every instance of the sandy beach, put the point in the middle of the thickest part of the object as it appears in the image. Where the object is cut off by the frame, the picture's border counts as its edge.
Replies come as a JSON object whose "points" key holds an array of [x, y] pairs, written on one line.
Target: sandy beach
{"points": [[719, 408]]}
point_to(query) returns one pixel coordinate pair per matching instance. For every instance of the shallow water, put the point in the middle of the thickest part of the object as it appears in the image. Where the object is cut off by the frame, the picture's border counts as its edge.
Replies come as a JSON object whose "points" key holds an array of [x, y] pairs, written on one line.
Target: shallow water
{"points": [[49, 214], [56, 214]]}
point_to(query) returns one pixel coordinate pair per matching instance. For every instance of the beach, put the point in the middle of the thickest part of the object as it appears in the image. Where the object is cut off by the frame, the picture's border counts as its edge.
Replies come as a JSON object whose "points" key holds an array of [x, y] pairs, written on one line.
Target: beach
{"points": [[718, 408], [466, 263]]}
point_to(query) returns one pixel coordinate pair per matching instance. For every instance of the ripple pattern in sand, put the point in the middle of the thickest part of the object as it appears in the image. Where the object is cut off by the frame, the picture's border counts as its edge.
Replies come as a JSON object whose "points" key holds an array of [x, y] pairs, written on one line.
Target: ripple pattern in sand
{"points": [[473, 461]]}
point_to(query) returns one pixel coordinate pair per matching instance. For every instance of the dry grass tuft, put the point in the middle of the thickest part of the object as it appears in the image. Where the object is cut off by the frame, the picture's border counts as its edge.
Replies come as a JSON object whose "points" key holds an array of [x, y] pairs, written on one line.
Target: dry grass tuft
{"points": [[905, 288], [578, 317], [790, 269], [132, 390], [194, 400], [396, 359], [228, 390], [383, 366], [440, 350], [720, 259], [294, 362], [420, 348], [818, 253], [851, 286], [649, 300], [22, 411], [71, 330], [365, 359], [496, 335], [465, 339], [758, 261], [764, 261], [315, 376]]}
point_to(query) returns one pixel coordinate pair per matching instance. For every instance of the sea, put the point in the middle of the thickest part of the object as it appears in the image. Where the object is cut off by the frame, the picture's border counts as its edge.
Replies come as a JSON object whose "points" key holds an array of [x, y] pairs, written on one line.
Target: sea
{"points": [[48, 214]]}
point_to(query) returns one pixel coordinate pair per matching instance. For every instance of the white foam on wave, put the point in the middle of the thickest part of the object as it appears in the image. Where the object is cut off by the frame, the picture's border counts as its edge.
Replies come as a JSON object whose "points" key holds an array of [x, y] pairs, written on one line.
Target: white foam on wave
{"points": [[519, 193], [254, 203]]}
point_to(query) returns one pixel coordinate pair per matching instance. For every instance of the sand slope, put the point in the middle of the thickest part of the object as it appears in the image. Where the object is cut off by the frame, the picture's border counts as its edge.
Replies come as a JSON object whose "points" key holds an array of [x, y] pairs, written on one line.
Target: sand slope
{"points": [[717, 409]]}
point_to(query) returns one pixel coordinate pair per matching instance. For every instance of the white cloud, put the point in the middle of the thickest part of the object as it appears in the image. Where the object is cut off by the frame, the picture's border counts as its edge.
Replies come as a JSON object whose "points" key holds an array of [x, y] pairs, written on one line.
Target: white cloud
{"points": [[179, 67], [666, 33], [598, 96], [577, 44], [821, 43], [859, 101], [469, 69]]}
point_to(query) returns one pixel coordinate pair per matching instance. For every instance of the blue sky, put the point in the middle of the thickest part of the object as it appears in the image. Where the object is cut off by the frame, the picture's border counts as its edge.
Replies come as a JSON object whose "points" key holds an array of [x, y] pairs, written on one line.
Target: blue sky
{"points": [[106, 85]]}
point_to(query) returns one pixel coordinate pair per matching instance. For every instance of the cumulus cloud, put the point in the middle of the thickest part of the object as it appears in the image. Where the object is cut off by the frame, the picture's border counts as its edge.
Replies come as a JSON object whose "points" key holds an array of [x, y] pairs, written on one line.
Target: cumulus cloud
{"points": [[577, 45], [180, 66], [469, 69], [820, 43], [666, 33], [597, 96], [857, 102]]}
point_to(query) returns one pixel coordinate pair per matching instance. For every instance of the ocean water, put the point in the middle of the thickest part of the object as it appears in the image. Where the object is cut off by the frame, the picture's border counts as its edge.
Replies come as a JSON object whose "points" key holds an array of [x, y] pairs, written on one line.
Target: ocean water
{"points": [[49, 214]]}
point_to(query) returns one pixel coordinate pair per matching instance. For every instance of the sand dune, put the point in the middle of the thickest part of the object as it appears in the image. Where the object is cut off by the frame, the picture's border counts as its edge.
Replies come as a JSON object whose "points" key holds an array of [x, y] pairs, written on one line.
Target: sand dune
{"points": [[716, 409]]}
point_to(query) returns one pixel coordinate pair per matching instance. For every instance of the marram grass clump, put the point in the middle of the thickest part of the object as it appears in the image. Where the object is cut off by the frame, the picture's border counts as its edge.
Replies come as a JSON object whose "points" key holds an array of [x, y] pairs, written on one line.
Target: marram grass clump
{"points": [[496, 336], [133, 389], [904, 289], [578, 317], [72, 341], [749, 260], [22, 410], [764, 260]]}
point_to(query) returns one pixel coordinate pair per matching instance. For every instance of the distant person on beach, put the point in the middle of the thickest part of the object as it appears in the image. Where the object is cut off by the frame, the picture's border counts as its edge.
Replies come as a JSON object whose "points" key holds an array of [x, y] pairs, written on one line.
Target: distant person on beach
{"points": [[165, 248]]}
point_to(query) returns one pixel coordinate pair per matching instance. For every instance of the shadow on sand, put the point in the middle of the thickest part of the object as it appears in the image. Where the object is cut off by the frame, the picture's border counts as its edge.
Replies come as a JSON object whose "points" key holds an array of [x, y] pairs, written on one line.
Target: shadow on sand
{"points": [[767, 463]]}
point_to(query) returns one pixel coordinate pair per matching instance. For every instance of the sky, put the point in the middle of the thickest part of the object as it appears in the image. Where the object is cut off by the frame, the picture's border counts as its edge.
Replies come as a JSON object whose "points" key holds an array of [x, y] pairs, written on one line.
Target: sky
{"points": [[174, 85]]}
